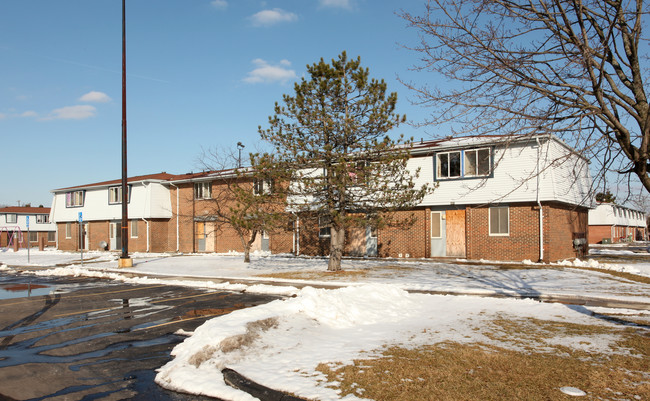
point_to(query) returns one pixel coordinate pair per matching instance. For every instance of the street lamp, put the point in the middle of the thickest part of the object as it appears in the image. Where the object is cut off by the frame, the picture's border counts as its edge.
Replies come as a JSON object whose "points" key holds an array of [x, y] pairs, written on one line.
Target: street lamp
{"points": [[240, 146]]}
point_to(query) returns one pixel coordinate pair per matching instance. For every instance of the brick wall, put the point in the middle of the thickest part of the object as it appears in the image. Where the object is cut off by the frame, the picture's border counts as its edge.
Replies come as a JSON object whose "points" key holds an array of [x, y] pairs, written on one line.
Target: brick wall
{"points": [[597, 233], [565, 223], [412, 241], [40, 235]]}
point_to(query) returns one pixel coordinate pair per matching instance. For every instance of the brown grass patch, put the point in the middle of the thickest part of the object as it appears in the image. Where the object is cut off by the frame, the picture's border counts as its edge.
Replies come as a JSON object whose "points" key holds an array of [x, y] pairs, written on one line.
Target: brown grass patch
{"points": [[318, 275], [479, 371]]}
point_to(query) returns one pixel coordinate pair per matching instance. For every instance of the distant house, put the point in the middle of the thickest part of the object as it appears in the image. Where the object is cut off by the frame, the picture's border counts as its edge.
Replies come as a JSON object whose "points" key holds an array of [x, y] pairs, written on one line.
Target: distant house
{"points": [[497, 198], [14, 227], [611, 223]]}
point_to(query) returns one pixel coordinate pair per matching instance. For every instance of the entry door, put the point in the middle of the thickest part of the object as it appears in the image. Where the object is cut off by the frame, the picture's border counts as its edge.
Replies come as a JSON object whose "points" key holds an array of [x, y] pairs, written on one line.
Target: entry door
{"points": [[371, 241], [438, 234], [200, 236], [456, 233], [265, 241], [86, 237], [115, 235]]}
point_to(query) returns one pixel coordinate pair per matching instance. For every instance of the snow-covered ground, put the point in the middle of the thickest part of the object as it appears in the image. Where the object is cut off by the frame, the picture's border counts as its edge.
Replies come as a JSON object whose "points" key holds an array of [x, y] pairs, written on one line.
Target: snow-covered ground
{"points": [[281, 343]]}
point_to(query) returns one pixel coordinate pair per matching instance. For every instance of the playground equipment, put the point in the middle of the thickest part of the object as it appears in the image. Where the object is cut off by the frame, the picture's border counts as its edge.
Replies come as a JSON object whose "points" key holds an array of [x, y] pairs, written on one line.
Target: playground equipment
{"points": [[13, 234]]}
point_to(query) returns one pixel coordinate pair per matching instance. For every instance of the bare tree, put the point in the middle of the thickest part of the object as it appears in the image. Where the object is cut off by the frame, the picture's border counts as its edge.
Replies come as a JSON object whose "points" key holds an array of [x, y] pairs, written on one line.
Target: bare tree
{"points": [[241, 199], [568, 67]]}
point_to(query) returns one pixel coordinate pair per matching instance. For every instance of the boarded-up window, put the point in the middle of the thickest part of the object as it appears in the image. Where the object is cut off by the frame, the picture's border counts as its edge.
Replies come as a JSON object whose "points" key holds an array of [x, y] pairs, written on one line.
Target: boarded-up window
{"points": [[435, 225], [68, 230], [499, 220]]}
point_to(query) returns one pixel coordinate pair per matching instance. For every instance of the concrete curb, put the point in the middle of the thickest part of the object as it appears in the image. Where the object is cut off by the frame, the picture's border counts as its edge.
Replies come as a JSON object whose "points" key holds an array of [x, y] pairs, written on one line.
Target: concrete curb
{"points": [[236, 380]]}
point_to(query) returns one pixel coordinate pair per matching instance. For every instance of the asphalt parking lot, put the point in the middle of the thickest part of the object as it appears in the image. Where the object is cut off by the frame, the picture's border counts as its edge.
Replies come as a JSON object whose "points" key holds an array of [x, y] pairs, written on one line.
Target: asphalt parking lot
{"points": [[80, 338]]}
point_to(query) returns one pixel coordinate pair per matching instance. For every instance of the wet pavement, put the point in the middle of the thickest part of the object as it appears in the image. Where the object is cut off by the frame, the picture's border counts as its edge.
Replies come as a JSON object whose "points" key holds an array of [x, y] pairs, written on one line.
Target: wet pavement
{"points": [[89, 339]]}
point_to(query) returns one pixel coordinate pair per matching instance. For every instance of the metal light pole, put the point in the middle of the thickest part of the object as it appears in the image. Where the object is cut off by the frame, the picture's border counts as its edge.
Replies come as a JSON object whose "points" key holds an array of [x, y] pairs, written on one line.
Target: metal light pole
{"points": [[240, 146], [124, 261]]}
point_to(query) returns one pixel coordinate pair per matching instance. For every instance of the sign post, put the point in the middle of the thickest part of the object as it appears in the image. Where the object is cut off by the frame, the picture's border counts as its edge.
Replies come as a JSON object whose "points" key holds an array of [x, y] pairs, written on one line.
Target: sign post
{"points": [[28, 244], [81, 233]]}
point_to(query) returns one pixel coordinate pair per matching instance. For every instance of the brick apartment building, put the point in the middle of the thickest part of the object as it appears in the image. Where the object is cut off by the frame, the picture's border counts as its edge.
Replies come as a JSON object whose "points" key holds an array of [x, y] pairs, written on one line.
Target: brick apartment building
{"points": [[496, 198], [14, 230], [611, 223]]}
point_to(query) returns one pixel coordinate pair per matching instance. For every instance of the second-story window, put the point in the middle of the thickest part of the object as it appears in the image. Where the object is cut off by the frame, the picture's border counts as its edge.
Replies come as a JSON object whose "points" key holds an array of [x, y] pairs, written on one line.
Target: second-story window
{"points": [[202, 190], [42, 218], [74, 198], [12, 218], [263, 187], [115, 195], [463, 163]]}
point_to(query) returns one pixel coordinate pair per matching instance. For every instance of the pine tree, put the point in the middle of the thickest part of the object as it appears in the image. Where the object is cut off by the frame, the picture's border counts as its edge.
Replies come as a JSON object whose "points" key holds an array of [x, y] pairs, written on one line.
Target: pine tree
{"points": [[330, 142]]}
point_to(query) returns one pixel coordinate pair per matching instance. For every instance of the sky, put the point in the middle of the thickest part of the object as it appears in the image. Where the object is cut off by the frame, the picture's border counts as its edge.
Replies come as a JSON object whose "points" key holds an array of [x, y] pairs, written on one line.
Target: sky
{"points": [[201, 75]]}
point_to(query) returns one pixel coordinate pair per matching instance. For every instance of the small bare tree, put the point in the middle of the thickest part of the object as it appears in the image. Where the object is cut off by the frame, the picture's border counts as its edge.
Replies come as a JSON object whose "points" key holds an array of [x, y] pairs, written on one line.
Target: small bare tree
{"points": [[568, 67], [242, 199]]}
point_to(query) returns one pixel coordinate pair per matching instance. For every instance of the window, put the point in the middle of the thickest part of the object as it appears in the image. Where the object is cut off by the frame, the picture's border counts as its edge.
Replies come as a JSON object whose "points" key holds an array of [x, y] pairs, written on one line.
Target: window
{"points": [[465, 163], [436, 225], [202, 190], [51, 236], [134, 228], [324, 228], [74, 199], [477, 162], [448, 165], [12, 218], [68, 230], [115, 195], [499, 221], [263, 187], [33, 236], [42, 218]]}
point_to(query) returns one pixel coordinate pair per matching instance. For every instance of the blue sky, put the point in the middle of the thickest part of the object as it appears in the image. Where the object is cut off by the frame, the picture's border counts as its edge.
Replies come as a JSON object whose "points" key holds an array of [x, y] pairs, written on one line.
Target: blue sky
{"points": [[200, 74]]}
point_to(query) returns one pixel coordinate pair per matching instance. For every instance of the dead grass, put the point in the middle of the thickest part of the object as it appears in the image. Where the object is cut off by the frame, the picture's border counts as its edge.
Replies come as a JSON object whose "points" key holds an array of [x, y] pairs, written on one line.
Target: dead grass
{"points": [[481, 371], [319, 275]]}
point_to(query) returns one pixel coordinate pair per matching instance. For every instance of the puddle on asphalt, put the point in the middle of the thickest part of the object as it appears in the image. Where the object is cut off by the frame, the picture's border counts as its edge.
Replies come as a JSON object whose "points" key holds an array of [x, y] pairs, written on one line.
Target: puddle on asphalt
{"points": [[22, 290]]}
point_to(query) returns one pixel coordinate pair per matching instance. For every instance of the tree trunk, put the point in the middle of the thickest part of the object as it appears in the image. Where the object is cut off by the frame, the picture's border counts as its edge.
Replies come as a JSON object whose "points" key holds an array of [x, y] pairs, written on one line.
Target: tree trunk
{"points": [[247, 246], [336, 249]]}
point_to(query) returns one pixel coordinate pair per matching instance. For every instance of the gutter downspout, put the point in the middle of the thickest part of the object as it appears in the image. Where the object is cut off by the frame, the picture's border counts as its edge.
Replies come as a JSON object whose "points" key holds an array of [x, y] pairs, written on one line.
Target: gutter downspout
{"points": [[177, 217], [148, 236], [539, 204]]}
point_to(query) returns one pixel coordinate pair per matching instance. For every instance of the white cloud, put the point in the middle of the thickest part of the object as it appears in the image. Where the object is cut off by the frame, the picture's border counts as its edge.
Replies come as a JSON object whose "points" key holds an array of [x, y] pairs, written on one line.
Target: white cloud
{"points": [[95, 97], [267, 73], [272, 17], [73, 113], [29, 113], [219, 4], [347, 4]]}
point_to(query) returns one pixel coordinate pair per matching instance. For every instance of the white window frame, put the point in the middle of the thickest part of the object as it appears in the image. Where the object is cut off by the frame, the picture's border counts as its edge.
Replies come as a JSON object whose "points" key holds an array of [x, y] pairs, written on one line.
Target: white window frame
{"points": [[263, 187], [42, 218], [75, 198], [448, 175], [115, 195], [476, 152], [439, 225], [324, 228], [11, 218], [33, 234], [203, 190], [68, 230], [51, 236], [507, 211], [134, 228]]}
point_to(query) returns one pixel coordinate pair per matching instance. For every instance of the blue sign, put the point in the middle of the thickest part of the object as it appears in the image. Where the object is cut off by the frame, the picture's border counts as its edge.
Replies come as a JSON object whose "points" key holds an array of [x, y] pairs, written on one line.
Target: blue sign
{"points": [[80, 218], [27, 222]]}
